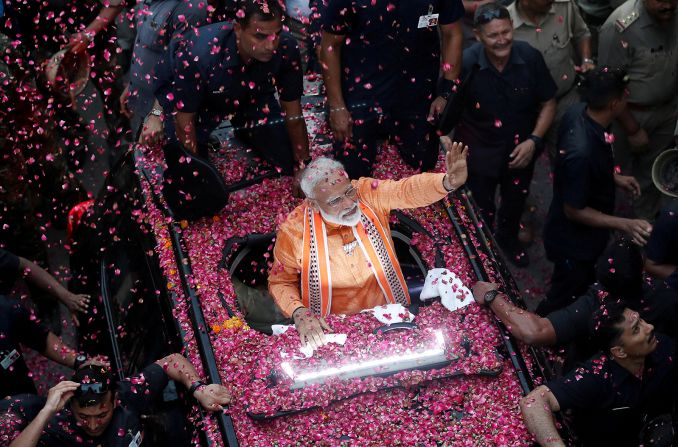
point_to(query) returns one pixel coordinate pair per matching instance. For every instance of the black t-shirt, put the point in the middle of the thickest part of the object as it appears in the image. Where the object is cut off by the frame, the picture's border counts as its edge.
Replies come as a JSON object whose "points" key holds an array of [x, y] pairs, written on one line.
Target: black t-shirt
{"points": [[136, 395], [501, 109], [583, 177], [609, 403], [17, 325], [9, 271], [662, 247], [206, 76], [387, 59], [656, 304], [16, 413]]}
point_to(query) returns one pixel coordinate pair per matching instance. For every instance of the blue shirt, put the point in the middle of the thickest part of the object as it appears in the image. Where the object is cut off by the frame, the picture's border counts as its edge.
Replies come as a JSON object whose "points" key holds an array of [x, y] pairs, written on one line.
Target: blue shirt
{"points": [[208, 78], [386, 59], [159, 21], [583, 177], [501, 109]]}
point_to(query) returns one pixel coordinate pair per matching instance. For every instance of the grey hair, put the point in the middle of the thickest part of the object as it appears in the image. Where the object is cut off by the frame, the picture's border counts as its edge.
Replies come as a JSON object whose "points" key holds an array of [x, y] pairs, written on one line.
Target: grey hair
{"points": [[317, 171]]}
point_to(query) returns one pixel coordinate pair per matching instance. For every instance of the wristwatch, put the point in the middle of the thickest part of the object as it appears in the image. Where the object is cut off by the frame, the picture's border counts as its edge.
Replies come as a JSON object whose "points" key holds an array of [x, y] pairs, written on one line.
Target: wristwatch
{"points": [[538, 141], [195, 385], [157, 112], [490, 296], [79, 360]]}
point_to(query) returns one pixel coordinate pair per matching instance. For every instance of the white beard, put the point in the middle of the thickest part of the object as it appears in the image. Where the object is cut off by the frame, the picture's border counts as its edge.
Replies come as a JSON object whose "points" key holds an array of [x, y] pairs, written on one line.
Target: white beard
{"points": [[339, 220]]}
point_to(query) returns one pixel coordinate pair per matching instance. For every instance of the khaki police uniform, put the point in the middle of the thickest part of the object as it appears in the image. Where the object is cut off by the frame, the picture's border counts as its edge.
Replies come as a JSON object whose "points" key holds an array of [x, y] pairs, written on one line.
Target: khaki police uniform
{"points": [[632, 38], [557, 37]]}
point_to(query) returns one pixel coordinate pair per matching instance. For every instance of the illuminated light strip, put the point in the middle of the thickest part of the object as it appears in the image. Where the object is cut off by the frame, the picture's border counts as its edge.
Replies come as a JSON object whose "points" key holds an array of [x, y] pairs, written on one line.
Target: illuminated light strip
{"points": [[390, 364]]}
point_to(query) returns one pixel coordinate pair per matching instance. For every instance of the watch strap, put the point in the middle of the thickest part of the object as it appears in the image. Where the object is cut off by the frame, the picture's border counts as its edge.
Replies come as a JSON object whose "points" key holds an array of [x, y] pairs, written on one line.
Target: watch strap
{"points": [[195, 385]]}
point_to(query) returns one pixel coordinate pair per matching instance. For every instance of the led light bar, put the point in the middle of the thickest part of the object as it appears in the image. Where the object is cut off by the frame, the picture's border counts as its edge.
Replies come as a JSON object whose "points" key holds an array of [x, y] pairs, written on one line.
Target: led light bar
{"points": [[427, 359]]}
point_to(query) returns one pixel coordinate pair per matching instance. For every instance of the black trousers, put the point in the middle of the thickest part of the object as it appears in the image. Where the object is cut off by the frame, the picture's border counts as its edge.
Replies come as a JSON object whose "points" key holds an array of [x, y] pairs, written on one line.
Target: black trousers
{"points": [[414, 136], [570, 280], [514, 187]]}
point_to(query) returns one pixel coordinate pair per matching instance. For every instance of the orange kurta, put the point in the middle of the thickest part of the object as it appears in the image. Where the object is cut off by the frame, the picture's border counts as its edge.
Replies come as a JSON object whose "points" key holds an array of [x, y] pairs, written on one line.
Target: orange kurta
{"points": [[354, 286]]}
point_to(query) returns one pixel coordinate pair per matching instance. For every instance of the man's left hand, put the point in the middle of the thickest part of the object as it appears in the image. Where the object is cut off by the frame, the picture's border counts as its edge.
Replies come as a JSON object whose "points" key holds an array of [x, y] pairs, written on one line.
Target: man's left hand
{"points": [[455, 163], [628, 184], [213, 397], [522, 154], [437, 107]]}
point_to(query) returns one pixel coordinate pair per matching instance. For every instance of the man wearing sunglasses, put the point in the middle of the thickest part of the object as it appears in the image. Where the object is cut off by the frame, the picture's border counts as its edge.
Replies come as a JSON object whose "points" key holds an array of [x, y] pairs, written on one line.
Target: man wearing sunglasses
{"points": [[334, 253], [92, 409]]}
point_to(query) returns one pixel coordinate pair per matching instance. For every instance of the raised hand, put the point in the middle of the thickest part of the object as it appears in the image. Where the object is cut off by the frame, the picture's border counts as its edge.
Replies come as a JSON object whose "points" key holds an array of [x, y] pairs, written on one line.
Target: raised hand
{"points": [[455, 163]]}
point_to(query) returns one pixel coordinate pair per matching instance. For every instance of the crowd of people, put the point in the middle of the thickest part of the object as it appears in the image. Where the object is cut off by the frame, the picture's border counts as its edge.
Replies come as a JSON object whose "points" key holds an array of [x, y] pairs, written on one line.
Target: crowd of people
{"points": [[593, 86]]}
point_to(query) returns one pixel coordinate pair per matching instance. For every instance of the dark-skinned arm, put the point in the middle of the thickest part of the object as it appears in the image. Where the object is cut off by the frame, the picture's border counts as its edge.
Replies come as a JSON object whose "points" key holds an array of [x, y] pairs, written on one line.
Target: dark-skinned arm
{"points": [[526, 326]]}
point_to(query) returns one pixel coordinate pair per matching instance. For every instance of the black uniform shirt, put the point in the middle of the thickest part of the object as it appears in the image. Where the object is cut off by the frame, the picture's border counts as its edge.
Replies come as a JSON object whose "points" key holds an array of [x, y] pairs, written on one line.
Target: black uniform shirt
{"points": [[610, 403], [662, 247], [386, 58], [9, 271], [208, 77], [17, 325], [501, 109], [584, 177]]}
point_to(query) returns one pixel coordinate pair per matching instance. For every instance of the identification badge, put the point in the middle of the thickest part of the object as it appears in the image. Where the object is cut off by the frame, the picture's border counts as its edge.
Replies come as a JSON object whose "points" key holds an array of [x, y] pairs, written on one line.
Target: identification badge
{"points": [[10, 359], [429, 20], [136, 441]]}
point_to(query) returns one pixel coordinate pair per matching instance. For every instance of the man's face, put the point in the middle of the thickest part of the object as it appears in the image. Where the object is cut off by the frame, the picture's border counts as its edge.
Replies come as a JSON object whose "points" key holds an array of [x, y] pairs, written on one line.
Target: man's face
{"points": [[94, 420], [259, 39], [638, 339], [497, 37], [541, 7], [336, 199], [661, 10]]}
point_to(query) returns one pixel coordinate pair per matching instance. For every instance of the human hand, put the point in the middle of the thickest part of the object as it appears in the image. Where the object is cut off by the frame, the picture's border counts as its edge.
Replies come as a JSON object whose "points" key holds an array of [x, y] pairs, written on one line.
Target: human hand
{"points": [[628, 183], [587, 66], [522, 154], [76, 302], [124, 105], [479, 290], [58, 395], [341, 123], [213, 397], [455, 163], [310, 328], [437, 107], [151, 130], [78, 42], [639, 141], [638, 229]]}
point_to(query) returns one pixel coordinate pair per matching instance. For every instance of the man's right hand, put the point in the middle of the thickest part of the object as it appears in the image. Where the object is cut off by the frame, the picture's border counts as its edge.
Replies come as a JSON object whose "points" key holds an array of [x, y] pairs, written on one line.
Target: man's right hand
{"points": [[151, 130], [341, 123], [638, 229], [59, 395], [310, 328]]}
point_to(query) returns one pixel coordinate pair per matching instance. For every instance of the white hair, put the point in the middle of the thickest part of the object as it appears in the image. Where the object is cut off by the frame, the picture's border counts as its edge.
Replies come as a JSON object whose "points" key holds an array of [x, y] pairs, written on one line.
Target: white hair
{"points": [[318, 170]]}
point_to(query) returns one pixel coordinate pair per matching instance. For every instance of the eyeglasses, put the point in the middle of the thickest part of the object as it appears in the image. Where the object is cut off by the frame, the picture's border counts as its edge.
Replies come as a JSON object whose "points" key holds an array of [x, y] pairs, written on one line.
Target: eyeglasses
{"points": [[350, 194], [489, 14], [96, 388]]}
